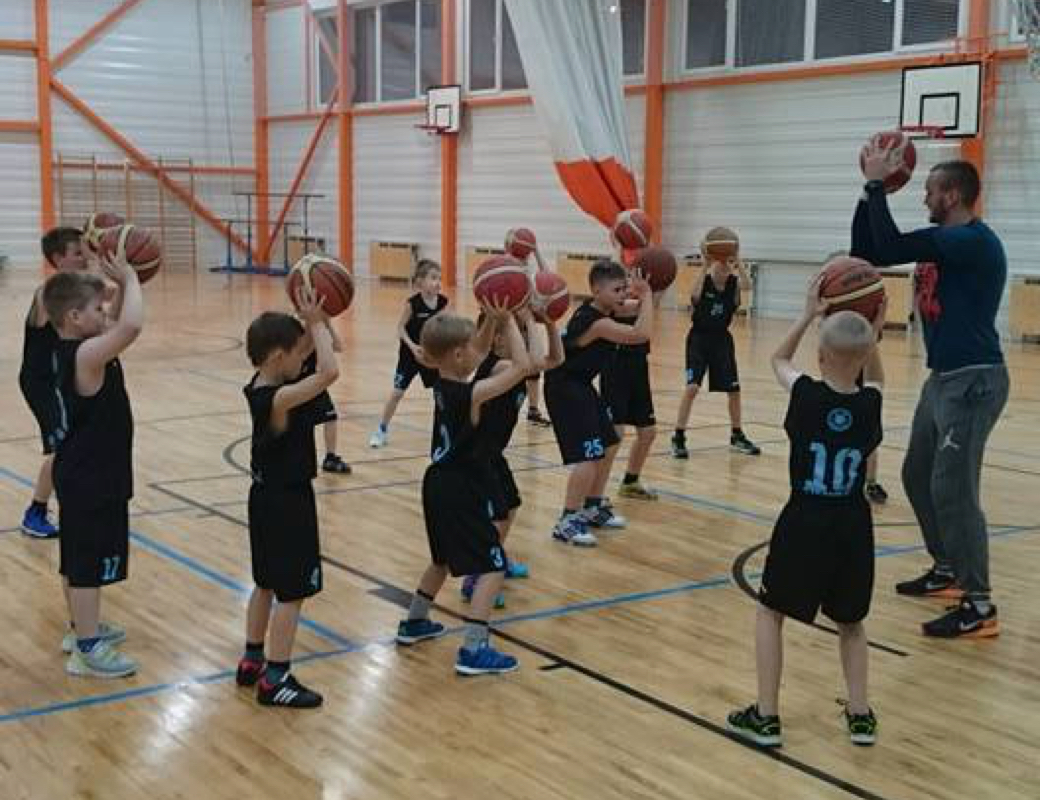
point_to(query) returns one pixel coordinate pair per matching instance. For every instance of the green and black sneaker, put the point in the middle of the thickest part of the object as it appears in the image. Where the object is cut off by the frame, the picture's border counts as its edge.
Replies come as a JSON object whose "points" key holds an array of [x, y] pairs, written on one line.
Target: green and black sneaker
{"points": [[763, 731], [862, 727]]}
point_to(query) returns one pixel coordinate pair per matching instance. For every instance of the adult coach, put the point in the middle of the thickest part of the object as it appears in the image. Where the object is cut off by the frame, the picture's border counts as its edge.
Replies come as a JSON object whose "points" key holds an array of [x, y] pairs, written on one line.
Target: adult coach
{"points": [[959, 282]]}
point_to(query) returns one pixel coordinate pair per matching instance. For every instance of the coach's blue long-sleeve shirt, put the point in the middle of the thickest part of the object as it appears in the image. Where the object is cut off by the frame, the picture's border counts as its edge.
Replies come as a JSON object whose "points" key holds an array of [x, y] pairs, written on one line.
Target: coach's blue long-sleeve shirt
{"points": [[958, 284]]}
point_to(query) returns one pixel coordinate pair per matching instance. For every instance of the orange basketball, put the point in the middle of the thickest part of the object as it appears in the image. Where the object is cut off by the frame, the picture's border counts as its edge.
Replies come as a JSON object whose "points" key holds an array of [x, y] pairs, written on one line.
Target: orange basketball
{"points": [[137, 245], [521, 242], [632, 229], [95, 224], [904, 153], [852, 284], [550, 296], [502, 278], [329, 279], [657, 265]]}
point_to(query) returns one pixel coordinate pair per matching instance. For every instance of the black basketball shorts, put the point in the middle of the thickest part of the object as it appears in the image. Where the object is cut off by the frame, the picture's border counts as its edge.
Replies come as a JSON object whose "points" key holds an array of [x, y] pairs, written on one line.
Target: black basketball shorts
{"points": [[408, 367], [458, 512], [324, 409], [625, 385], [580, 418], [47, 407], [505, 494], [94, 542], [712, 353], [821, 555], [283, 540]]}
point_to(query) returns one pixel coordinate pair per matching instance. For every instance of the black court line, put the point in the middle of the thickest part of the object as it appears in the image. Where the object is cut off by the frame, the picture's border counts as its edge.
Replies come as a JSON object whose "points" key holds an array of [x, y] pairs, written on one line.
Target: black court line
{"points": [[740, 578]]}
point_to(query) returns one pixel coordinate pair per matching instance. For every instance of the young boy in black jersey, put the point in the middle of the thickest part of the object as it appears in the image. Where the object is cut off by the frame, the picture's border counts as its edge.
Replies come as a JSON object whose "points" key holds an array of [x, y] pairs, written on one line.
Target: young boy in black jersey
{"points": [[822, 550], [709, 344], [283, 520], [458, 501], [581, 419], [93, 471], [498, 420], [418, 309], [64, 250]]}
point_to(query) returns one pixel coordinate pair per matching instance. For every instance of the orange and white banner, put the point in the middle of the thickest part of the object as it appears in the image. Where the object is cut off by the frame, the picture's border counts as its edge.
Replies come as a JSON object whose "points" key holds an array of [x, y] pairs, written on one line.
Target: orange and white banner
{"points": [[571, 51]]}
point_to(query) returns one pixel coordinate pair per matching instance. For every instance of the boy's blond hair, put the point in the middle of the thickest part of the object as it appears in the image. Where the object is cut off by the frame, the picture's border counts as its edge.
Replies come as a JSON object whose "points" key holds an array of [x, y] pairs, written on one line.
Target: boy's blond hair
{"points": [[445, 332], [847, 334], [69, 291]]}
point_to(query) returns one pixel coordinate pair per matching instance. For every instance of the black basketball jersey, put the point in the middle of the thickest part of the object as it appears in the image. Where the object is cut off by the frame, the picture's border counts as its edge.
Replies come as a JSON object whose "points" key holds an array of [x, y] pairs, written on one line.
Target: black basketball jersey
{"points": [[38, 359], [498, 416], [628, 349], [584, 362], [288, 457], [455, 442], [421, 313], [714, 310], [93, 462], [831, 434]]}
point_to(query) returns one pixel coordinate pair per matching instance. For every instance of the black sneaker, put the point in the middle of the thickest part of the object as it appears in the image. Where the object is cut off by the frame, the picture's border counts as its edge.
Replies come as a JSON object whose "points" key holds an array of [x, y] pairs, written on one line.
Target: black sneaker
{"points": [[964, 621], [763, 731], [535, 417], [931, 584], [876, 493], [679, 447], [249, 672], [288, 693], [739, 443], [862, 727], [333, 463]]}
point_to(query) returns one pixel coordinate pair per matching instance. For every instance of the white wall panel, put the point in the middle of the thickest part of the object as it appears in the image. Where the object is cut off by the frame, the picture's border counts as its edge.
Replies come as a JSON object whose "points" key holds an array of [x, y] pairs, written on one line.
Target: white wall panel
{"points": [[507, 178], [286, 76], [17, 20], [397, 185], [17, 87], [288, 141], [20, 200]]}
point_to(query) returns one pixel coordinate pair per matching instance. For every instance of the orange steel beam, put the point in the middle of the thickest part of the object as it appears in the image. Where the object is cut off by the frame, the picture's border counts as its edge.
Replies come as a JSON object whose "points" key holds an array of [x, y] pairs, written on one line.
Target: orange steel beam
{"points": [[449, 151], [301, 171], [302, 116], [19, 126], [144, 162], [17, 46], [261, 131], [345, 190], [43, 116], [653, 146], [95, 30]]}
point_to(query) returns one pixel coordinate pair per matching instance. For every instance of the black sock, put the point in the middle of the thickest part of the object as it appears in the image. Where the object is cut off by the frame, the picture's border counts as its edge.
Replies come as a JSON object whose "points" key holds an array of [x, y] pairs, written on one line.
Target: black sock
{"points": [[630, 479], [593, 502], [738, 432], [254, 651], [680, 434], [276, 670], [38, 507]]}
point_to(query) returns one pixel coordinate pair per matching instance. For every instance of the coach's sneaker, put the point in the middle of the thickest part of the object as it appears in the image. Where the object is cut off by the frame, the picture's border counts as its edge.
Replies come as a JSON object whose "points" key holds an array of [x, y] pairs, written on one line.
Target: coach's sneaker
{"points": [[739, 443], [876, 493], [112, 634], [36, 524], [602, 515], [931, 584], [636, 491], [333, 463], [413, 631], [965, 621], [679, 446], [101, 661], [485, 660], [288, 693], [763, 731], [469, 583], [249, 672], [573, 529], [862, 727], [378, 438]]}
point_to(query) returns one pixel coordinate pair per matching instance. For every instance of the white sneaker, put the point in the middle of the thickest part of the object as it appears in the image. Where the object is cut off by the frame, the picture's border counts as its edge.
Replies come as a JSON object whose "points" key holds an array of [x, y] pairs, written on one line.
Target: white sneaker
{"points": [[104, 661], [572, 529], [378, 438], [112, 634]]}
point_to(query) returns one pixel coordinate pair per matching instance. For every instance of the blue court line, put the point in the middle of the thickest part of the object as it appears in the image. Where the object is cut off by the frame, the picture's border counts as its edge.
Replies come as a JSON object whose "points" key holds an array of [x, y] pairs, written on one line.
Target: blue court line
{"points": [[201, 570]]}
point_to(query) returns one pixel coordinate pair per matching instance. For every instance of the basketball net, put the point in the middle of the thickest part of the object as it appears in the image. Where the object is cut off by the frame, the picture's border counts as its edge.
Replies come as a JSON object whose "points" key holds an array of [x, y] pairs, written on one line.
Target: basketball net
{"points": [[1028, 14]]}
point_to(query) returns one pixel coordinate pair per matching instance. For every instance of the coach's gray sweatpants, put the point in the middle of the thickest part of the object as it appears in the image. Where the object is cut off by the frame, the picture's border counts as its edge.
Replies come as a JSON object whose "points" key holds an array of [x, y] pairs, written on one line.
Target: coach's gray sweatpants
{"points": [[943, 464]]}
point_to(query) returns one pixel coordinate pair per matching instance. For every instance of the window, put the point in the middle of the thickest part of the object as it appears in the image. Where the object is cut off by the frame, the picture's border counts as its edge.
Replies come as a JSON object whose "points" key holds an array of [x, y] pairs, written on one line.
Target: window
{"points": [[927, 21], [705, 33], [770, 31], [633, 36], [853, 27], [396, 51], [494, 58]]}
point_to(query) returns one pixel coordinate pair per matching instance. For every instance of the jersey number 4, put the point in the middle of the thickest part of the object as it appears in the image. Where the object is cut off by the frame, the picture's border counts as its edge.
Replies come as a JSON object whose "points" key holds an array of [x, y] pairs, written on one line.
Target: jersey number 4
{"points": [[843, 470]]}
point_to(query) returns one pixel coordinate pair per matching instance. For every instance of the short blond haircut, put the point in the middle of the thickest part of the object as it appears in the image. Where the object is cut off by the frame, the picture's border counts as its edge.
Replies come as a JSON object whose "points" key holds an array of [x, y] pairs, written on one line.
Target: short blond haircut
{"points": [[847, 333], [69, 291], [443, 333]]}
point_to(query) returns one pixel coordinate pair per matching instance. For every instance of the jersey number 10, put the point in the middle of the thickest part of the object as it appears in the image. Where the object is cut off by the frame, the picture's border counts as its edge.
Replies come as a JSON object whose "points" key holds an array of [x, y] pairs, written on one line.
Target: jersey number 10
{"points": [[844, 469]]}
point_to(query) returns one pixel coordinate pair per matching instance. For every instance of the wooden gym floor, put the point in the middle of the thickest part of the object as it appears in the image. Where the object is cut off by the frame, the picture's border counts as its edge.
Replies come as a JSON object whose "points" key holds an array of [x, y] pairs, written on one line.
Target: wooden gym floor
{"points": [[631, 654]]}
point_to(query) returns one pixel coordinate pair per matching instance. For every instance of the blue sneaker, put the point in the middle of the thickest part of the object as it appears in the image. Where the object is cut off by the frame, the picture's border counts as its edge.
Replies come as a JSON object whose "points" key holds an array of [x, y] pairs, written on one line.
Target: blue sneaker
{"points": [[469, 583], [517, 569], [573, 529], [485, 660], [36, 524], [412, 631]]}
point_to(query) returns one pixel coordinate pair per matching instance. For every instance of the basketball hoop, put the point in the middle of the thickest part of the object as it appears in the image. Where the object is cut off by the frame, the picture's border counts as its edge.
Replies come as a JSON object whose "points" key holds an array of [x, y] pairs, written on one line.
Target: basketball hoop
{"points": [[434, 130], [923, 131], [1027, 14]]}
